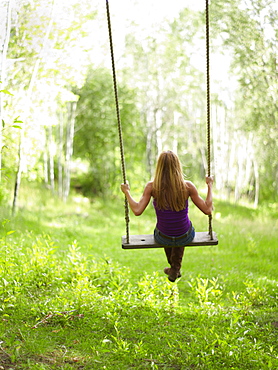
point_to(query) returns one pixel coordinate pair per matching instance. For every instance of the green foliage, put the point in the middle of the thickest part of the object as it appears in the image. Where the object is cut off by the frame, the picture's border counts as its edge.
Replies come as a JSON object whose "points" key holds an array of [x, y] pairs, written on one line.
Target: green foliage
{"points": [[161, 78], [255, 54], [43, 48], [206, 290], [71, 299], [249, 30], [9, 136], [28, 42], [171, 92], [96, 138], [70, 295]]}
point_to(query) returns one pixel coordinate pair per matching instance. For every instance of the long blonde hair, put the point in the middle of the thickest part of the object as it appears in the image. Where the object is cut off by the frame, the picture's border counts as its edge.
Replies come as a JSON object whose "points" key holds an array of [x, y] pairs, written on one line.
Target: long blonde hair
{"points": [[169, 188]]}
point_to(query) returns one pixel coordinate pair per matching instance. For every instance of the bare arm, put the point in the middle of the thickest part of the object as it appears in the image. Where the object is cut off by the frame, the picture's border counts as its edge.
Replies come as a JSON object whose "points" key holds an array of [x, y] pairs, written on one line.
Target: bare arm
{"points": [[205, 206], [138, 207]]}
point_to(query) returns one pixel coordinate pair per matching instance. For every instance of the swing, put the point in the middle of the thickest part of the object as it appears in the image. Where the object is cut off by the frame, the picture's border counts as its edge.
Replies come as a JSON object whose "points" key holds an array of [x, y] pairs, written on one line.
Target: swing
{"points": [[147, 241]]}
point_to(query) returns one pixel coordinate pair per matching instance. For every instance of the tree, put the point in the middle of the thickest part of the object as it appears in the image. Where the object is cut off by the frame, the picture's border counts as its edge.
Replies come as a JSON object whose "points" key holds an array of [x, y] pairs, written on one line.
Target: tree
{"points": [[96, 134], [41, 45], [170, 87], [3, 57], [249, 29], [30, 90]]}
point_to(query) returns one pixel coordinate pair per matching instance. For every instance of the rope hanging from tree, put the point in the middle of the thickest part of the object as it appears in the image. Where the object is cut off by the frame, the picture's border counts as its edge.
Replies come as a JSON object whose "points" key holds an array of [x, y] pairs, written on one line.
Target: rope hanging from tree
{"points": [[208, 104], [118, 117], [141, 241]]}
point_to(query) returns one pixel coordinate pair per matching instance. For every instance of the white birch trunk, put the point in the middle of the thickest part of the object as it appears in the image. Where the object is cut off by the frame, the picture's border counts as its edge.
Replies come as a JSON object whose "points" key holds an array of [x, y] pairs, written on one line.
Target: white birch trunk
{"points": [[149, 144], [45, 159], [69, 147], [21, 153], [60, 155], [51, 159], [3, 72], [257, 183], [158, 124]]}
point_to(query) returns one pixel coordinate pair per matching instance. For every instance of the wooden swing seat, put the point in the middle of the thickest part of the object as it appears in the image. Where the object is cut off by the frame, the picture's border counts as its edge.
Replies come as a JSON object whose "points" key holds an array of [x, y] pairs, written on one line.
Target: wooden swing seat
{"points": [[147, 241]]}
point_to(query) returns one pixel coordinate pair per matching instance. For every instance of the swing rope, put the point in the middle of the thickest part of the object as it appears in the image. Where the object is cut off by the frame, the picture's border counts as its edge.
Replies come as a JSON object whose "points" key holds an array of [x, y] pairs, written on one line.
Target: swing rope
{"points": [[118, 118], [208, 106]]}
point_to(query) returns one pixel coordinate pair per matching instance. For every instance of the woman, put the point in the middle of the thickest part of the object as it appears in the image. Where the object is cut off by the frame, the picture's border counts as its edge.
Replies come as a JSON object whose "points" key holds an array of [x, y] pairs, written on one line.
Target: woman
{"points": [[170, 194]]}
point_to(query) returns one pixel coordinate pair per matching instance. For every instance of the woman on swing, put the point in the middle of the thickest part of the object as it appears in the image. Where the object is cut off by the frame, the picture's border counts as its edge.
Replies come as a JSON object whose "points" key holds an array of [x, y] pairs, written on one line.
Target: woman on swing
{"points": [[170, 194]]}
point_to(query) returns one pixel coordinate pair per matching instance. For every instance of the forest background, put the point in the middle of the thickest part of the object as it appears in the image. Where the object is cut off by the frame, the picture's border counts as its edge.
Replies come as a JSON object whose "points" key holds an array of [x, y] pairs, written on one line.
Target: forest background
{"points": [[69, 298], [58, 119]]}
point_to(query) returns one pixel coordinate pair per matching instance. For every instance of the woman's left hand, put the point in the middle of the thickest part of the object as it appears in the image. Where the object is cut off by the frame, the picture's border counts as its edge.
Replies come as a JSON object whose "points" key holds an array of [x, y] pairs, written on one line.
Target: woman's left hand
{"points": [[209, 180]]}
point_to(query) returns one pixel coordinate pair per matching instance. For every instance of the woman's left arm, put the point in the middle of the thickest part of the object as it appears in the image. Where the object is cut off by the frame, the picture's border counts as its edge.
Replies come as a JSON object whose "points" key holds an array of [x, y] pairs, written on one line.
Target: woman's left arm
{"points": [[138, 207]]}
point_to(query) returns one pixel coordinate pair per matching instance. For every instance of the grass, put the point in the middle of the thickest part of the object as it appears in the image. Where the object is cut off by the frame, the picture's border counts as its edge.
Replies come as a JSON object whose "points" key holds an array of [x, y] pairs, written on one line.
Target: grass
{"points": [[71, 298]]}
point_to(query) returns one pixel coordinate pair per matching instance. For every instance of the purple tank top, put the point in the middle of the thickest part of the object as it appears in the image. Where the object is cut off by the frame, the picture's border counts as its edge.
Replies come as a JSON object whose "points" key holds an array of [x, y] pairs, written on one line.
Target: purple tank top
{"points": [[172, 223]]}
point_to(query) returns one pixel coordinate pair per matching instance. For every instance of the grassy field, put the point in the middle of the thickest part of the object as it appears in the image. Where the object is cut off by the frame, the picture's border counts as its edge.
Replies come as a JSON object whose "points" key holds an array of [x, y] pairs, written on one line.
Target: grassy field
{"points": [[71, 298]]}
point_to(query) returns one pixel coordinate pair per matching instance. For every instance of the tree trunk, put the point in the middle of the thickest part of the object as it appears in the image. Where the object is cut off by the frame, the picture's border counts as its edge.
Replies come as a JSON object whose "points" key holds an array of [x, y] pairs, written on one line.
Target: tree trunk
{"points": [[158, 124], [51, 159], [3, 72], [177, 117], [149, 143], [60, 154], [21, 154], [69, 147], [18, 179], [257, 182], [45, 159]]}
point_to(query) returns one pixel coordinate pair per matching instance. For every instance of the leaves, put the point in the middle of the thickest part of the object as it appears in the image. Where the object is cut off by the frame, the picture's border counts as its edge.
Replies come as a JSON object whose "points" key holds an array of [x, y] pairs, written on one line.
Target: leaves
{"points": [[6, 92], [249, 32], [96, 135], [10, 232]]}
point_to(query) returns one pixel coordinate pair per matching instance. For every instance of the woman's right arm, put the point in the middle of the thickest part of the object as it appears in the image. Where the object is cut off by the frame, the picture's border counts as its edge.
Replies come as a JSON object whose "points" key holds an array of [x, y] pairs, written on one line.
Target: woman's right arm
{"points": [[205, 206]]}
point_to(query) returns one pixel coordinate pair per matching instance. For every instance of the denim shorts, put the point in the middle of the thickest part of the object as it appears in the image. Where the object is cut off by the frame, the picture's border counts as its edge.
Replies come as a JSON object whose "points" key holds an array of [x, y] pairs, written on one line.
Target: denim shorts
{"points": [[174, 242]]}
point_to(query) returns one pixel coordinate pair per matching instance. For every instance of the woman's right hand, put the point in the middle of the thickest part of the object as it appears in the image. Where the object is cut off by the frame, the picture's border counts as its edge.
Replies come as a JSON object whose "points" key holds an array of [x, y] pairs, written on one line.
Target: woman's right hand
{"points": [[209, 180]]}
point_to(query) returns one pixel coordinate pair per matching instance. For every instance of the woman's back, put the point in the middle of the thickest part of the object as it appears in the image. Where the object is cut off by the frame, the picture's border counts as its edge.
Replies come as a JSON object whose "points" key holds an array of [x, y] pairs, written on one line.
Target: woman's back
{"points": [[172, 223]]}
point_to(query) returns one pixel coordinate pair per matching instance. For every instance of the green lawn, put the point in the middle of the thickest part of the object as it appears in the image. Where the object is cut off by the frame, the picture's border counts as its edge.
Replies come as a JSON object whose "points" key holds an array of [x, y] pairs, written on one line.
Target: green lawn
{"points": [[71, 298]]}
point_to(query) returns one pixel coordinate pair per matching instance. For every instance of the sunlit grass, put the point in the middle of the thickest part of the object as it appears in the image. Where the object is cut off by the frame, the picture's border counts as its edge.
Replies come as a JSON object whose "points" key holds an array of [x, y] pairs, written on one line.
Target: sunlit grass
{"points": [[71, 298]]}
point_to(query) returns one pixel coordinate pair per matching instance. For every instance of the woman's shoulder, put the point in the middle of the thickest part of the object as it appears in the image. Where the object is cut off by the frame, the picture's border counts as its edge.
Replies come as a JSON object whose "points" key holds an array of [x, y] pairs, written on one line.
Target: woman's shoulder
{"points": [[190, 186], [149, 186]]}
